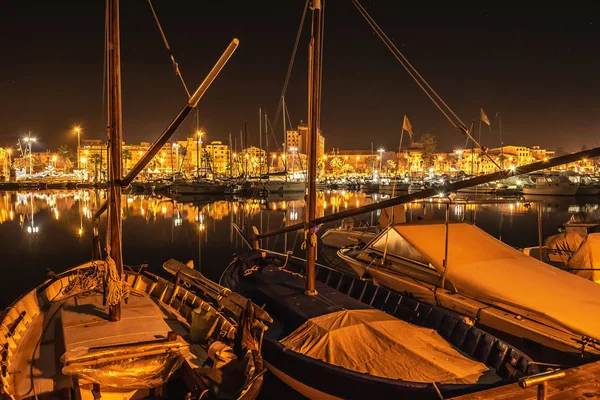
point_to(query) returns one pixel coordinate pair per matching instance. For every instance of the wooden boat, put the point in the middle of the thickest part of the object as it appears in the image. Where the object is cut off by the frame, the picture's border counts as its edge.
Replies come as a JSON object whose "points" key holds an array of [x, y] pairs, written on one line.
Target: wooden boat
{"points": [[169, 340], [70, 337], [278, 281], [520, 299]]}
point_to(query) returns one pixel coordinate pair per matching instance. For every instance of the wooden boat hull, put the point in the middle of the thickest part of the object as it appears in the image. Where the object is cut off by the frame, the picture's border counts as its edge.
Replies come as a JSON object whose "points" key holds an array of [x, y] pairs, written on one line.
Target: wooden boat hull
{"points": [[317, 379], [25, 334]]}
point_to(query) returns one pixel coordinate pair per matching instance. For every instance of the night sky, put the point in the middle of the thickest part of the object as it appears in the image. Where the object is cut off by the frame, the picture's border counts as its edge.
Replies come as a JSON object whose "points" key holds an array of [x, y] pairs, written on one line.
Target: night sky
{"points": [[537, 64]]}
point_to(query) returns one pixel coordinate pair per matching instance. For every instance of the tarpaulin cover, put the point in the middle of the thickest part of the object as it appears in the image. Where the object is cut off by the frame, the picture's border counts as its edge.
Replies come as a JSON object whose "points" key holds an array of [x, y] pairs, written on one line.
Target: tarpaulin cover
{"points": [[488, 270], [563, 245], [586, 260], [136, 367], [373, 342]]}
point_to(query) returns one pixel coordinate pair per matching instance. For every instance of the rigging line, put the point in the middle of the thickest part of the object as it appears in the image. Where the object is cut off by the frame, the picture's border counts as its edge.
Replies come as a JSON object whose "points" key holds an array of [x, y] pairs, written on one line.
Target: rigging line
{"points": [[389, 46], [164, 37], [291, 64], [367, 15], [273, 134], [412, 71], [321, 64]]}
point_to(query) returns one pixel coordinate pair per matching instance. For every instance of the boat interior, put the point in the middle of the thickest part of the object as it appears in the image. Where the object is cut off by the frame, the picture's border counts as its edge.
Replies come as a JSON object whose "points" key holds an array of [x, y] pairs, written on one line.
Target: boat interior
{"points": [[57, 342]]}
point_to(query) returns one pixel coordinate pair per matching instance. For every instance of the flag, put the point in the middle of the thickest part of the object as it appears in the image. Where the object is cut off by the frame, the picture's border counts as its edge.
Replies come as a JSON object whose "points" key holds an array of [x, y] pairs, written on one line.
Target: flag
{"points": [[407, 127], [484, 118]]}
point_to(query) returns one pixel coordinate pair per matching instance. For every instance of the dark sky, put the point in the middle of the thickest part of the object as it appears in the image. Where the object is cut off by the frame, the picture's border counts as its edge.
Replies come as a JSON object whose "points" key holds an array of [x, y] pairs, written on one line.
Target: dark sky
{"points": [[536, 63]]}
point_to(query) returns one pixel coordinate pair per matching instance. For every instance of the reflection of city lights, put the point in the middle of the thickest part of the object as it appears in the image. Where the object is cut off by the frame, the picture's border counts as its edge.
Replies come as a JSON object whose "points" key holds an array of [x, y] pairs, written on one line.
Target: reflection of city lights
{"points": [[32, 229], [56, 213], [164, 209], [11, 215], [130, 199], [80, 231], [201, 227], [178, 221]]}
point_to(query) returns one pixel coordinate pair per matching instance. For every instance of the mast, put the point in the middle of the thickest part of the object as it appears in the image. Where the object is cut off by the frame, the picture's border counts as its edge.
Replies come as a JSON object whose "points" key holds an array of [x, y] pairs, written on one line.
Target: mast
{"points": [[284, 139], [230, 157], [241, 153], [247, 155], [259, 141], [115, 138], [267, 145], [314, 89]]}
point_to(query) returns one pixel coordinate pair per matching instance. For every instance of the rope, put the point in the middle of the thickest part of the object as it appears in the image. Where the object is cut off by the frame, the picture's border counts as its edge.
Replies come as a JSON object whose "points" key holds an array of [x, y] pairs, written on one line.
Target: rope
{"points": [[116, 287], [291, 64], [164, 37], [418, 78]]}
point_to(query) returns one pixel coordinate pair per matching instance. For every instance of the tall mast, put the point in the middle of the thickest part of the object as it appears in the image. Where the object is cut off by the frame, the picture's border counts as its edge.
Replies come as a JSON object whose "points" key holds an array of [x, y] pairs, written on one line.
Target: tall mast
{"points": [[284, 139], [314, 83], [260, 157], [230, 156], [247, 155], [267, 144], [115, 138]]}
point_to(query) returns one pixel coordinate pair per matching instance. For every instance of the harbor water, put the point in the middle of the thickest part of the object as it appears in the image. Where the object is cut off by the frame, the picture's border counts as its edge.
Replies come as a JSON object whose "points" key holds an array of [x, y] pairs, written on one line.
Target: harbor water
{"points": [[51, 230]]}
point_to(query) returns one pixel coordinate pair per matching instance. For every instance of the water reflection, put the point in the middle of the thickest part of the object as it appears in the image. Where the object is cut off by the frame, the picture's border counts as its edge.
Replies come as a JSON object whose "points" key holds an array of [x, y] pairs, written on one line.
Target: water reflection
{"points": [[40, 230]]}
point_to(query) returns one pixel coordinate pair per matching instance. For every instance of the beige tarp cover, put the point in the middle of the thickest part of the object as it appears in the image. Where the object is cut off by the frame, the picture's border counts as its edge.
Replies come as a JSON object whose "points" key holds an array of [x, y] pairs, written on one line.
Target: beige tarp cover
{"points": [[373, 342], [491, 271], [563, 245], [586, 257]]}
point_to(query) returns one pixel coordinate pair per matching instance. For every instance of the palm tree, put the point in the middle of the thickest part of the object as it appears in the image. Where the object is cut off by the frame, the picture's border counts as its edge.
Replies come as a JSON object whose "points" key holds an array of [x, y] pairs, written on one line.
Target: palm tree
{"points": [[64, 152], [96, 160], [127, 156]]}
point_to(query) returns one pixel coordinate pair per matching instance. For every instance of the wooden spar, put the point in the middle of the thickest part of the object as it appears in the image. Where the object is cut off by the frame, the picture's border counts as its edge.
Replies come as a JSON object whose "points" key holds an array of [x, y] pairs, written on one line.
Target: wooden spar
{"points": [[446, 188], [310, 234], [170, 130], [115, 138]]}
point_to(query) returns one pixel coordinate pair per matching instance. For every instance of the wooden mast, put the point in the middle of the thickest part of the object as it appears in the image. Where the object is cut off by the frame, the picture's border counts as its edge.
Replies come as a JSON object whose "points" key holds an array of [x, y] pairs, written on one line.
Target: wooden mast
{"points": [[115, 138], [314, 86]]}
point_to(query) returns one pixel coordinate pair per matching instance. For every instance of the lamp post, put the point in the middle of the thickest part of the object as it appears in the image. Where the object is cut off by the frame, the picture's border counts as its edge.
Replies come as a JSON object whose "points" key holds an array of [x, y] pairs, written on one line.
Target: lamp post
{"points": [[78, 131]]}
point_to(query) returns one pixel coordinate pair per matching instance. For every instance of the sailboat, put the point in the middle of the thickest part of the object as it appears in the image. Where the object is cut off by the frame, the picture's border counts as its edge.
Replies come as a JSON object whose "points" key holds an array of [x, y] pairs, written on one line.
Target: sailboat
{"points": [[101, 331], [334, 340]]}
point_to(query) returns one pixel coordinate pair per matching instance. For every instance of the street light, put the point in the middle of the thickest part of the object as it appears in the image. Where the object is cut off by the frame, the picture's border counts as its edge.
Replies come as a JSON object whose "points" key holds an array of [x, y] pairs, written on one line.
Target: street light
{"points": [[380, 159], [78, 131], [293, 150]]}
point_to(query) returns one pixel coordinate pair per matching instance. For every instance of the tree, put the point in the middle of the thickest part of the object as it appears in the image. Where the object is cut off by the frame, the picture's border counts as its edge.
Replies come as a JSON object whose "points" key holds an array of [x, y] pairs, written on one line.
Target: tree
{"points": [[96, 160], [429, 147], [336, 165], [347, 169], [390, 165], [127, 156], [64, 152], [321, 167]]}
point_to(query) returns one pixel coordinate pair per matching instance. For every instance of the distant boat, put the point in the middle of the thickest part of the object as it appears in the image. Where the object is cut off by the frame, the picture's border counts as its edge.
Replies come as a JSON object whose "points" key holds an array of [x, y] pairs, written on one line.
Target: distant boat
{"points": [[198, 187], [550, 185]]}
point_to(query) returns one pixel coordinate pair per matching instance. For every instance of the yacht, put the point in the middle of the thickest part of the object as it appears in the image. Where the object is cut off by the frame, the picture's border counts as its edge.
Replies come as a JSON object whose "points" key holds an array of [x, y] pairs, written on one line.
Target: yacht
{"points": [[550, 185]]}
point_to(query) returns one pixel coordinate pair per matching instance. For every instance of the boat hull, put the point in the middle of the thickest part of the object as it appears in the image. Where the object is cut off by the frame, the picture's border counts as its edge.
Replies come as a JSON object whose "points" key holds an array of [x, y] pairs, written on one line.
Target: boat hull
{"points": [[282, 292], [562, 190]]}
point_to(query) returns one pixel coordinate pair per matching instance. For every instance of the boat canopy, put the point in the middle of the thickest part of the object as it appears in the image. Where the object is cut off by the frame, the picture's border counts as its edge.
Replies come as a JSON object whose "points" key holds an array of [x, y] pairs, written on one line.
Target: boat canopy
{"points": [[585, 262], [373, 342], [490, 271]]}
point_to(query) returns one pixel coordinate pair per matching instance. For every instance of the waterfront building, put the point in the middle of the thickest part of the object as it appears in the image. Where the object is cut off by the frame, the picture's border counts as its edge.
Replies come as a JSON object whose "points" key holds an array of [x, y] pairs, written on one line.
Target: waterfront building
{"points": [[297, 139]]}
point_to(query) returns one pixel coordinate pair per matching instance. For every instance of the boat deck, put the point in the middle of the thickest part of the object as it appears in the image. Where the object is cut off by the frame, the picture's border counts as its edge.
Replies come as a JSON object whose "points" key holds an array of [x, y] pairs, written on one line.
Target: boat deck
{"points": [[78, 324], [285, 291], [579, 383]]}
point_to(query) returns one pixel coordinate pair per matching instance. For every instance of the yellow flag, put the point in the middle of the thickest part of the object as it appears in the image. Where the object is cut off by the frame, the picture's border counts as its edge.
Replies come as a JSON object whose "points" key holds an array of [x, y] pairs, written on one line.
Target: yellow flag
{"points": [[406, 126], [484, 117]]}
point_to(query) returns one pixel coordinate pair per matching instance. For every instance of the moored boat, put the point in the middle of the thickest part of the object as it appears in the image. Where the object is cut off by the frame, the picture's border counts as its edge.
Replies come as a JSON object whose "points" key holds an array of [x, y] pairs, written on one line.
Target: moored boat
{"points": [[520, 299], [550, 185], [186, 342], [303, 347]]}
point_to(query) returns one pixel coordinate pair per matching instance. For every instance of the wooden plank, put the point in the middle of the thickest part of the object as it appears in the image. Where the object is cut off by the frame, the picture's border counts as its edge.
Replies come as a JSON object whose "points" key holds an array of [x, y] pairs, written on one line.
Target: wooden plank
{"points": [[579, 382], [85, 323]]}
